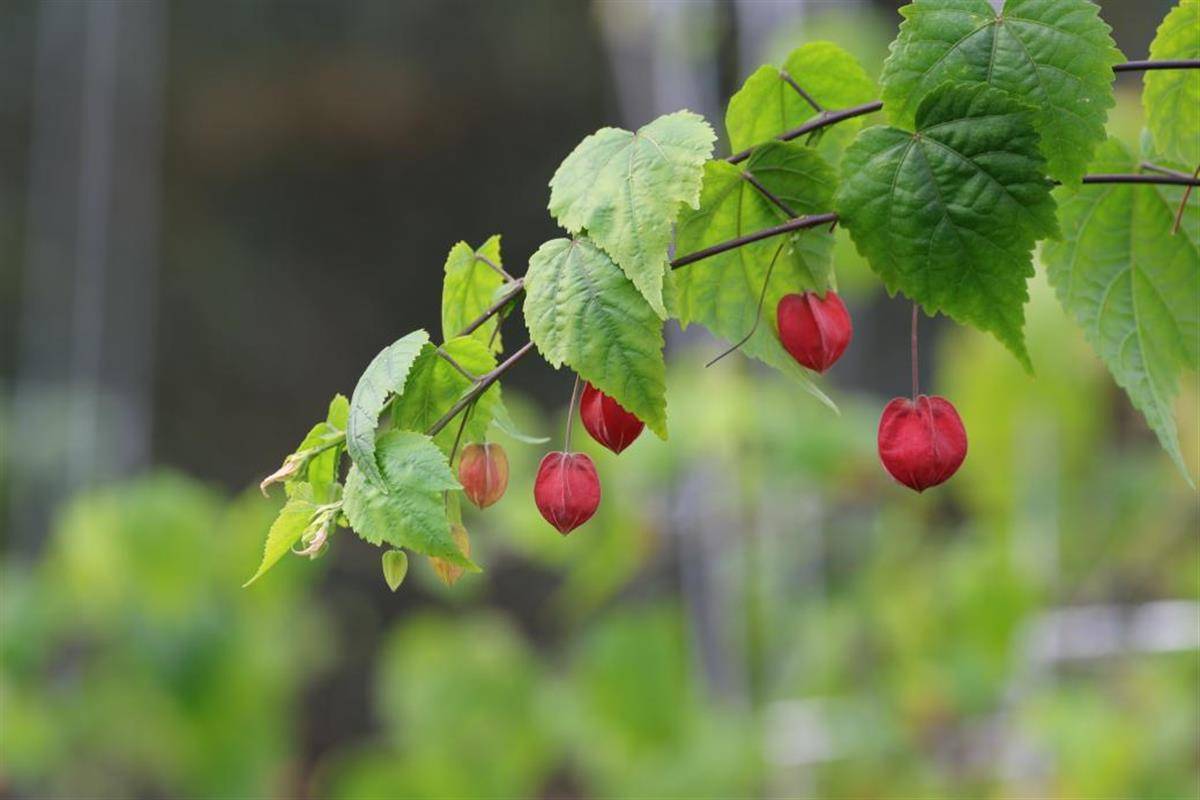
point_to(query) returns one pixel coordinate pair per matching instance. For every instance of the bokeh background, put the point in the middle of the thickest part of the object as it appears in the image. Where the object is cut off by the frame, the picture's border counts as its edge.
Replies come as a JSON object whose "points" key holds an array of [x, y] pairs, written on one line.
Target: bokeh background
{"points": [[213, 214]]}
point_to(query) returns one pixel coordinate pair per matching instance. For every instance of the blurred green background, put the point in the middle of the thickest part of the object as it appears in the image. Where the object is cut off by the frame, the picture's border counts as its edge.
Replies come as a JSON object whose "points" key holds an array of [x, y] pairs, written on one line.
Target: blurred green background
{"points": [[217, 213]]}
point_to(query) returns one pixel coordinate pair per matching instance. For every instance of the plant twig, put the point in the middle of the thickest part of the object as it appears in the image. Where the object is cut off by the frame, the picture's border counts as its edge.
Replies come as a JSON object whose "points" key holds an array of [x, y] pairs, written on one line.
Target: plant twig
{"points": [[571, 415], [499, 269], [808, 98], [916, 387], [1142, 66], [461, 427], [518, 286], [767, 193], [449, 359], [762, 296], [1161, 170], [481, 386], [1187, 193], [1162, 180], [820, 121], [798, 224]]}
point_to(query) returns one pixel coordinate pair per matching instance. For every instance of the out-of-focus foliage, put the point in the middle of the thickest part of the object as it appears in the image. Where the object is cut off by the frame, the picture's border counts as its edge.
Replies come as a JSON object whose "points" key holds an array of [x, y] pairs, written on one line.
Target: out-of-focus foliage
{"points": [[132, 663], [846, 638], [757, 611]]}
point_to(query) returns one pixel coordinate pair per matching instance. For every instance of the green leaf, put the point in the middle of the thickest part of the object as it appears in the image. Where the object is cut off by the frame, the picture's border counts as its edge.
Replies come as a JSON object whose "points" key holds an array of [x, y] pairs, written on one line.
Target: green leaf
{"points": [[322, 469], [1055, 55], [339, 412], [722, 292], [411, 513], [395, 567], [469, 287], [434, 385], [287, 529], [949, 215], [1172, 96], [626, 189], [767, 105], [504, 422], [582, 312], [1132, 286], [384, 376]]}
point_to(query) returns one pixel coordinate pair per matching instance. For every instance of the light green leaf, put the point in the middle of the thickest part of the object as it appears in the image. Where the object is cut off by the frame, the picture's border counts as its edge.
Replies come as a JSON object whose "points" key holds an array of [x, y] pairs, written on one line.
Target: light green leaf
{"points": [[395, 567], [949, 215], [504, 422], [434, 385], [287, 529], [322, 471], [767, 105], [411, 513], [626, 189], [582, 312], [1172, 96], [468, 289], [339, 412], [384, 376], [722, 292], [1132, 286], [1055, 55]]}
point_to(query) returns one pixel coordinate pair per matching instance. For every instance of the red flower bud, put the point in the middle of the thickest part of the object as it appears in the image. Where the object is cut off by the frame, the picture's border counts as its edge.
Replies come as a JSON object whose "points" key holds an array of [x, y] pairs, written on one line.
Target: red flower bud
{"points": [[815, 331], [921, 444], [483, 473], [607, 422], [567, 490]]}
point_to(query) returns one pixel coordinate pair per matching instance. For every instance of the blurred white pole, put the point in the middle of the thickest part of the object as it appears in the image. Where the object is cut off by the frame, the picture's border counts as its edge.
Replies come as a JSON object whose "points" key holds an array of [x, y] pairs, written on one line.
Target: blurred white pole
{"points": [[81, 406], [91, 243], [757, 20]]}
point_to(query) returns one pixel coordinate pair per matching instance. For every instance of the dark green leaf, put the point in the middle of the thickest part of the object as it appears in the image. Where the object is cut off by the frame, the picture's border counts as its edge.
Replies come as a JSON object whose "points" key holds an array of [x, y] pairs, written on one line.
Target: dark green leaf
{"points": [[411, 513], [1132, 286], [949, 215], [384, 376], [626, 189], [583, 312], [1055, 55]]}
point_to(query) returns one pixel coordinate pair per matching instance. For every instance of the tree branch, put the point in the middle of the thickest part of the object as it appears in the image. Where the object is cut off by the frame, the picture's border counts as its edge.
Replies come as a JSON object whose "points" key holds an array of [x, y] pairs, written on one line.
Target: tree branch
{"points": [[767, 193], [798, 224], [1142, 66], [833, 117], [481, 386], [1164, 180], [808, 98], [518, 286], [821, 120]]}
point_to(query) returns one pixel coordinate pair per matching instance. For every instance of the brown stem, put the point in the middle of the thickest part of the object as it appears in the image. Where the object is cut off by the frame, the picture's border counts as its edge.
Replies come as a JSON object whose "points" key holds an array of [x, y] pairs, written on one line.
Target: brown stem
{"points": [[494, 309], [916, 388], [1162, 180], [1161, 170], [459, 368], [1142, 66], [762, 296], [571, 415], [478, 389], [822, 120], [1187, 193], [767, 193], [798, 224], [808, 98], [495, 267]]}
